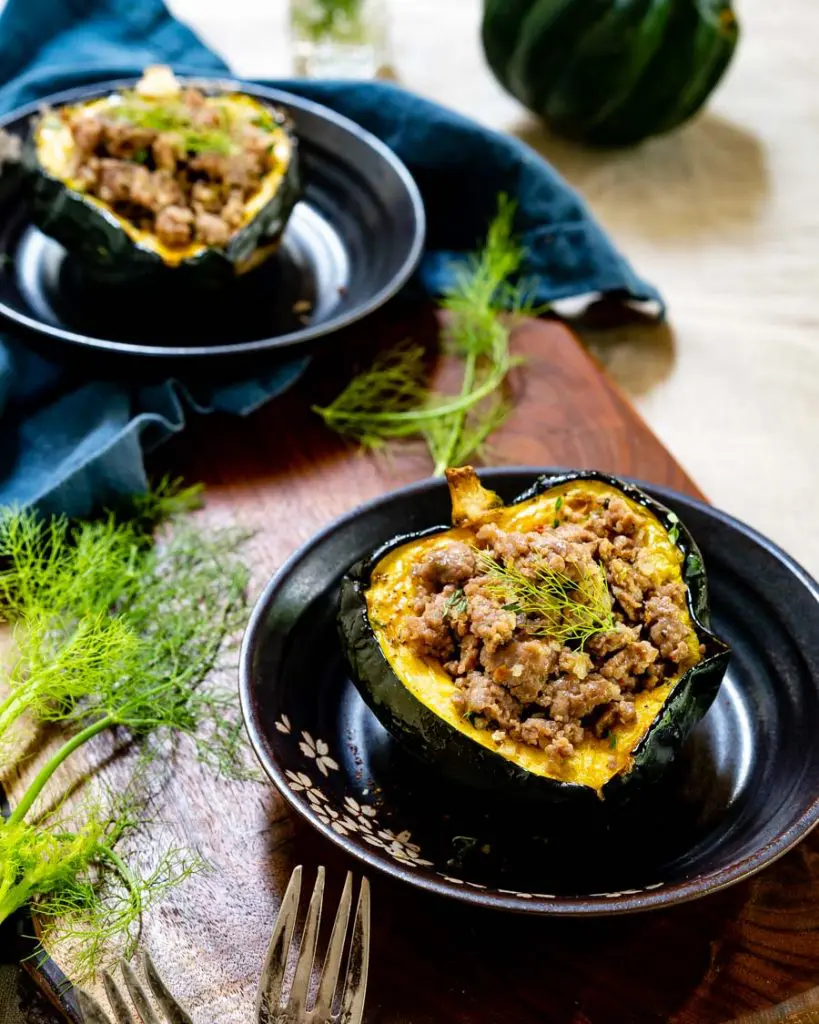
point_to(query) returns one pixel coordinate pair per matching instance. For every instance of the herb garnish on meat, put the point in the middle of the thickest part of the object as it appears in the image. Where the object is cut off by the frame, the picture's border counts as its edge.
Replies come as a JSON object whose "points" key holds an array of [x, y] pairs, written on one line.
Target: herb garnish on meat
{"points": [[456, 602], [568, 610], [175, 116]]}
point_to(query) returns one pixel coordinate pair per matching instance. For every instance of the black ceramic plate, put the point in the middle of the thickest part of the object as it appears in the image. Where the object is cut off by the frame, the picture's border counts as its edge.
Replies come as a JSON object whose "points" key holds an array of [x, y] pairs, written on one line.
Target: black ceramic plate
{"points": [[352, 242], [744, 790]]}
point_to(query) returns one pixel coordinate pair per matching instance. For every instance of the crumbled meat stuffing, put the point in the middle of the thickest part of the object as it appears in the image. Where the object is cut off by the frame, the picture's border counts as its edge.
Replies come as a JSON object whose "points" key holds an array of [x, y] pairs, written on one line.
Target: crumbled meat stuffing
{"points": [[211, 229], [489, 622], [174, 225], [183, 165], [522, 666], [521, 680], [454, 563]]}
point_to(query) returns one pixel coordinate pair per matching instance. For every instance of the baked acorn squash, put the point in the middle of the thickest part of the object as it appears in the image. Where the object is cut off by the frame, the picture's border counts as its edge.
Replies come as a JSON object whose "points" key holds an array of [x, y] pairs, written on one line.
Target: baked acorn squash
{"points": [[606, 73], [102, 199], [419, 702]]}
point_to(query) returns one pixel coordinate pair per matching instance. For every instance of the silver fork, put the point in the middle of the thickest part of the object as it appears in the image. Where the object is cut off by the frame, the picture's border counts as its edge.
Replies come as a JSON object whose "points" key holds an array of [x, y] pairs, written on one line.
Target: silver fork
{"points": [[269, 1008], [172, 1012]]}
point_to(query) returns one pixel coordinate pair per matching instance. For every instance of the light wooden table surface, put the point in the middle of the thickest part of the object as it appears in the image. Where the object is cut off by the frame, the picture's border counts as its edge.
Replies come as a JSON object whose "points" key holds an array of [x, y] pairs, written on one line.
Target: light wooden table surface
{"points": [[722, 216]]}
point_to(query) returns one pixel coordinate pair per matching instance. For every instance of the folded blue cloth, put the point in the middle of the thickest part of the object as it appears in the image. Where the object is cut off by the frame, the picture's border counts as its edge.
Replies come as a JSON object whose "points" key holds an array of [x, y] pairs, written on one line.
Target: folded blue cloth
{"points": [[67, 444]]}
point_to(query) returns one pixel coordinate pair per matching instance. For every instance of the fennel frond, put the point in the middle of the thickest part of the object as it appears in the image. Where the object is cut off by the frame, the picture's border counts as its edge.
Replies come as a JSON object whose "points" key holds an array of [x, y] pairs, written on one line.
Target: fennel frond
{"points": [[556, 605], [112, 629], [391, 400]]}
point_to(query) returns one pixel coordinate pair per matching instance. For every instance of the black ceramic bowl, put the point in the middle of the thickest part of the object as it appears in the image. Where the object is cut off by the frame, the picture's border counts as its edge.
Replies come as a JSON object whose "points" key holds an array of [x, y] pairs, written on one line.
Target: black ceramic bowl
{"points": [[352, 242], [744, 790]]}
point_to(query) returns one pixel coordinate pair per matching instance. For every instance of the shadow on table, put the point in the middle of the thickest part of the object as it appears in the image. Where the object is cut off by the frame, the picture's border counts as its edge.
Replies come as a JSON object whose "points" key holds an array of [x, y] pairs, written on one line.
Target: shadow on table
{"points": [[733, 955], [434, 960], [637, 356], [706, 178], [286, 437]]}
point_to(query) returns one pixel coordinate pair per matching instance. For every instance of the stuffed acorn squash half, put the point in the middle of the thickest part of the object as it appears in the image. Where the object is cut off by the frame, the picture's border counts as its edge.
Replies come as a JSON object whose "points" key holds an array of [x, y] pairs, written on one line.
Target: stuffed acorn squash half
{"points": [[164, 176], [557, 647]]}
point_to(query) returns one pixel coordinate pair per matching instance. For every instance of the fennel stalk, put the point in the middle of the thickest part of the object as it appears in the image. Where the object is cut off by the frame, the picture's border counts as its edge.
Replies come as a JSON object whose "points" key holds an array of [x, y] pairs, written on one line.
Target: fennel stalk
{"points": [[391, 400], [111, 630]]}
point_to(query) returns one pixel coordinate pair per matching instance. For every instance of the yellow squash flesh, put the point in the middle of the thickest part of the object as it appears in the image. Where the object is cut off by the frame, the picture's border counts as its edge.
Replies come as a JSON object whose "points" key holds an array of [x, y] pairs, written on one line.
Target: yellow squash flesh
{"points": [[392, 591]]}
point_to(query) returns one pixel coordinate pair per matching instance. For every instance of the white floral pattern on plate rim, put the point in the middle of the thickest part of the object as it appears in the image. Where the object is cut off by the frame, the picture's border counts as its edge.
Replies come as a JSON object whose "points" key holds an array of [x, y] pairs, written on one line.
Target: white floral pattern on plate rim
{"points": [[362, 819], [354, 817]]}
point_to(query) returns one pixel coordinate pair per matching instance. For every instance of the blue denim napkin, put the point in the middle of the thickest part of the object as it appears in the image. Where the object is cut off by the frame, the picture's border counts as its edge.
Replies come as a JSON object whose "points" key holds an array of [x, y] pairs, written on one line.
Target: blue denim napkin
{"points": [[68, 443]]}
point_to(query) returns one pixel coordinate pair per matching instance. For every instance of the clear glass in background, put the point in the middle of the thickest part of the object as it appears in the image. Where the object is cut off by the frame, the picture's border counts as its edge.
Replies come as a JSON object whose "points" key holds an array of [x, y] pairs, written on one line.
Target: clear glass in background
{"points": [[339, 38]]}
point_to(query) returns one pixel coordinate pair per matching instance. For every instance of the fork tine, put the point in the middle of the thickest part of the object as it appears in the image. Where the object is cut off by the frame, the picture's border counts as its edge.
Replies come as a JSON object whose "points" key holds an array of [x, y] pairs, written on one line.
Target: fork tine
{"points": [[139, 995], [307, 953], [355, 984], [115, 998], [172, 1010], [275, 965], [335, 951], [91, 1011]]}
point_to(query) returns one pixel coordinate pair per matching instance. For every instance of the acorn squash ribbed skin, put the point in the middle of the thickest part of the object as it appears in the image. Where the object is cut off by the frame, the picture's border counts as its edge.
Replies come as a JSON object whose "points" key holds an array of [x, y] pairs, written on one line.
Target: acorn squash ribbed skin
{"points": [[610, 72]]}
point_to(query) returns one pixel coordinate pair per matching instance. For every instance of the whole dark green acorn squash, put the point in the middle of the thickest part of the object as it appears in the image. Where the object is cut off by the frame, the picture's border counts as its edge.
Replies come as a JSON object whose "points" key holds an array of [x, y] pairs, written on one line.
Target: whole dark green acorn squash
{"points": [[114, 248], [610, 72], [412, 696]]}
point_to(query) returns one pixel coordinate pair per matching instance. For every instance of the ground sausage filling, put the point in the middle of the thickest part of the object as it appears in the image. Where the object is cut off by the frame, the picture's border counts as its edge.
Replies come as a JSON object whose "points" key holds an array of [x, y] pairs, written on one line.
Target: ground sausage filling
{"points": [[550, 634], [181, 167]]}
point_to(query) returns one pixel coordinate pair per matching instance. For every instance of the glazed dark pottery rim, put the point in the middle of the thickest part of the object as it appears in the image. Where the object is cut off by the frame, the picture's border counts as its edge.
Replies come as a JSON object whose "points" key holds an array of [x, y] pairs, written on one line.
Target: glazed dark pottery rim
{"points": [[602, 904], [285, 343]]}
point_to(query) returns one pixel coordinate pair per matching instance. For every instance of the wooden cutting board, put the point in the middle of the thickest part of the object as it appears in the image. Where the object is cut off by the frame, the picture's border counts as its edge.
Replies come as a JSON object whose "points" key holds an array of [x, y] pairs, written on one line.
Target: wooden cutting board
{"points": [[281, 472]]}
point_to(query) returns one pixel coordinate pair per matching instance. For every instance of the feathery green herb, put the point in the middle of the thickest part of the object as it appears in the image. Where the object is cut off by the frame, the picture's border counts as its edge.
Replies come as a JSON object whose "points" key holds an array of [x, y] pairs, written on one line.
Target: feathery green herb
{"points": [[558, 507], [693, 565], [565, 609], [110, 629], [456, 603], [175, 116], [384, 402], [674, 529], [392, 399], [69, 868]]}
